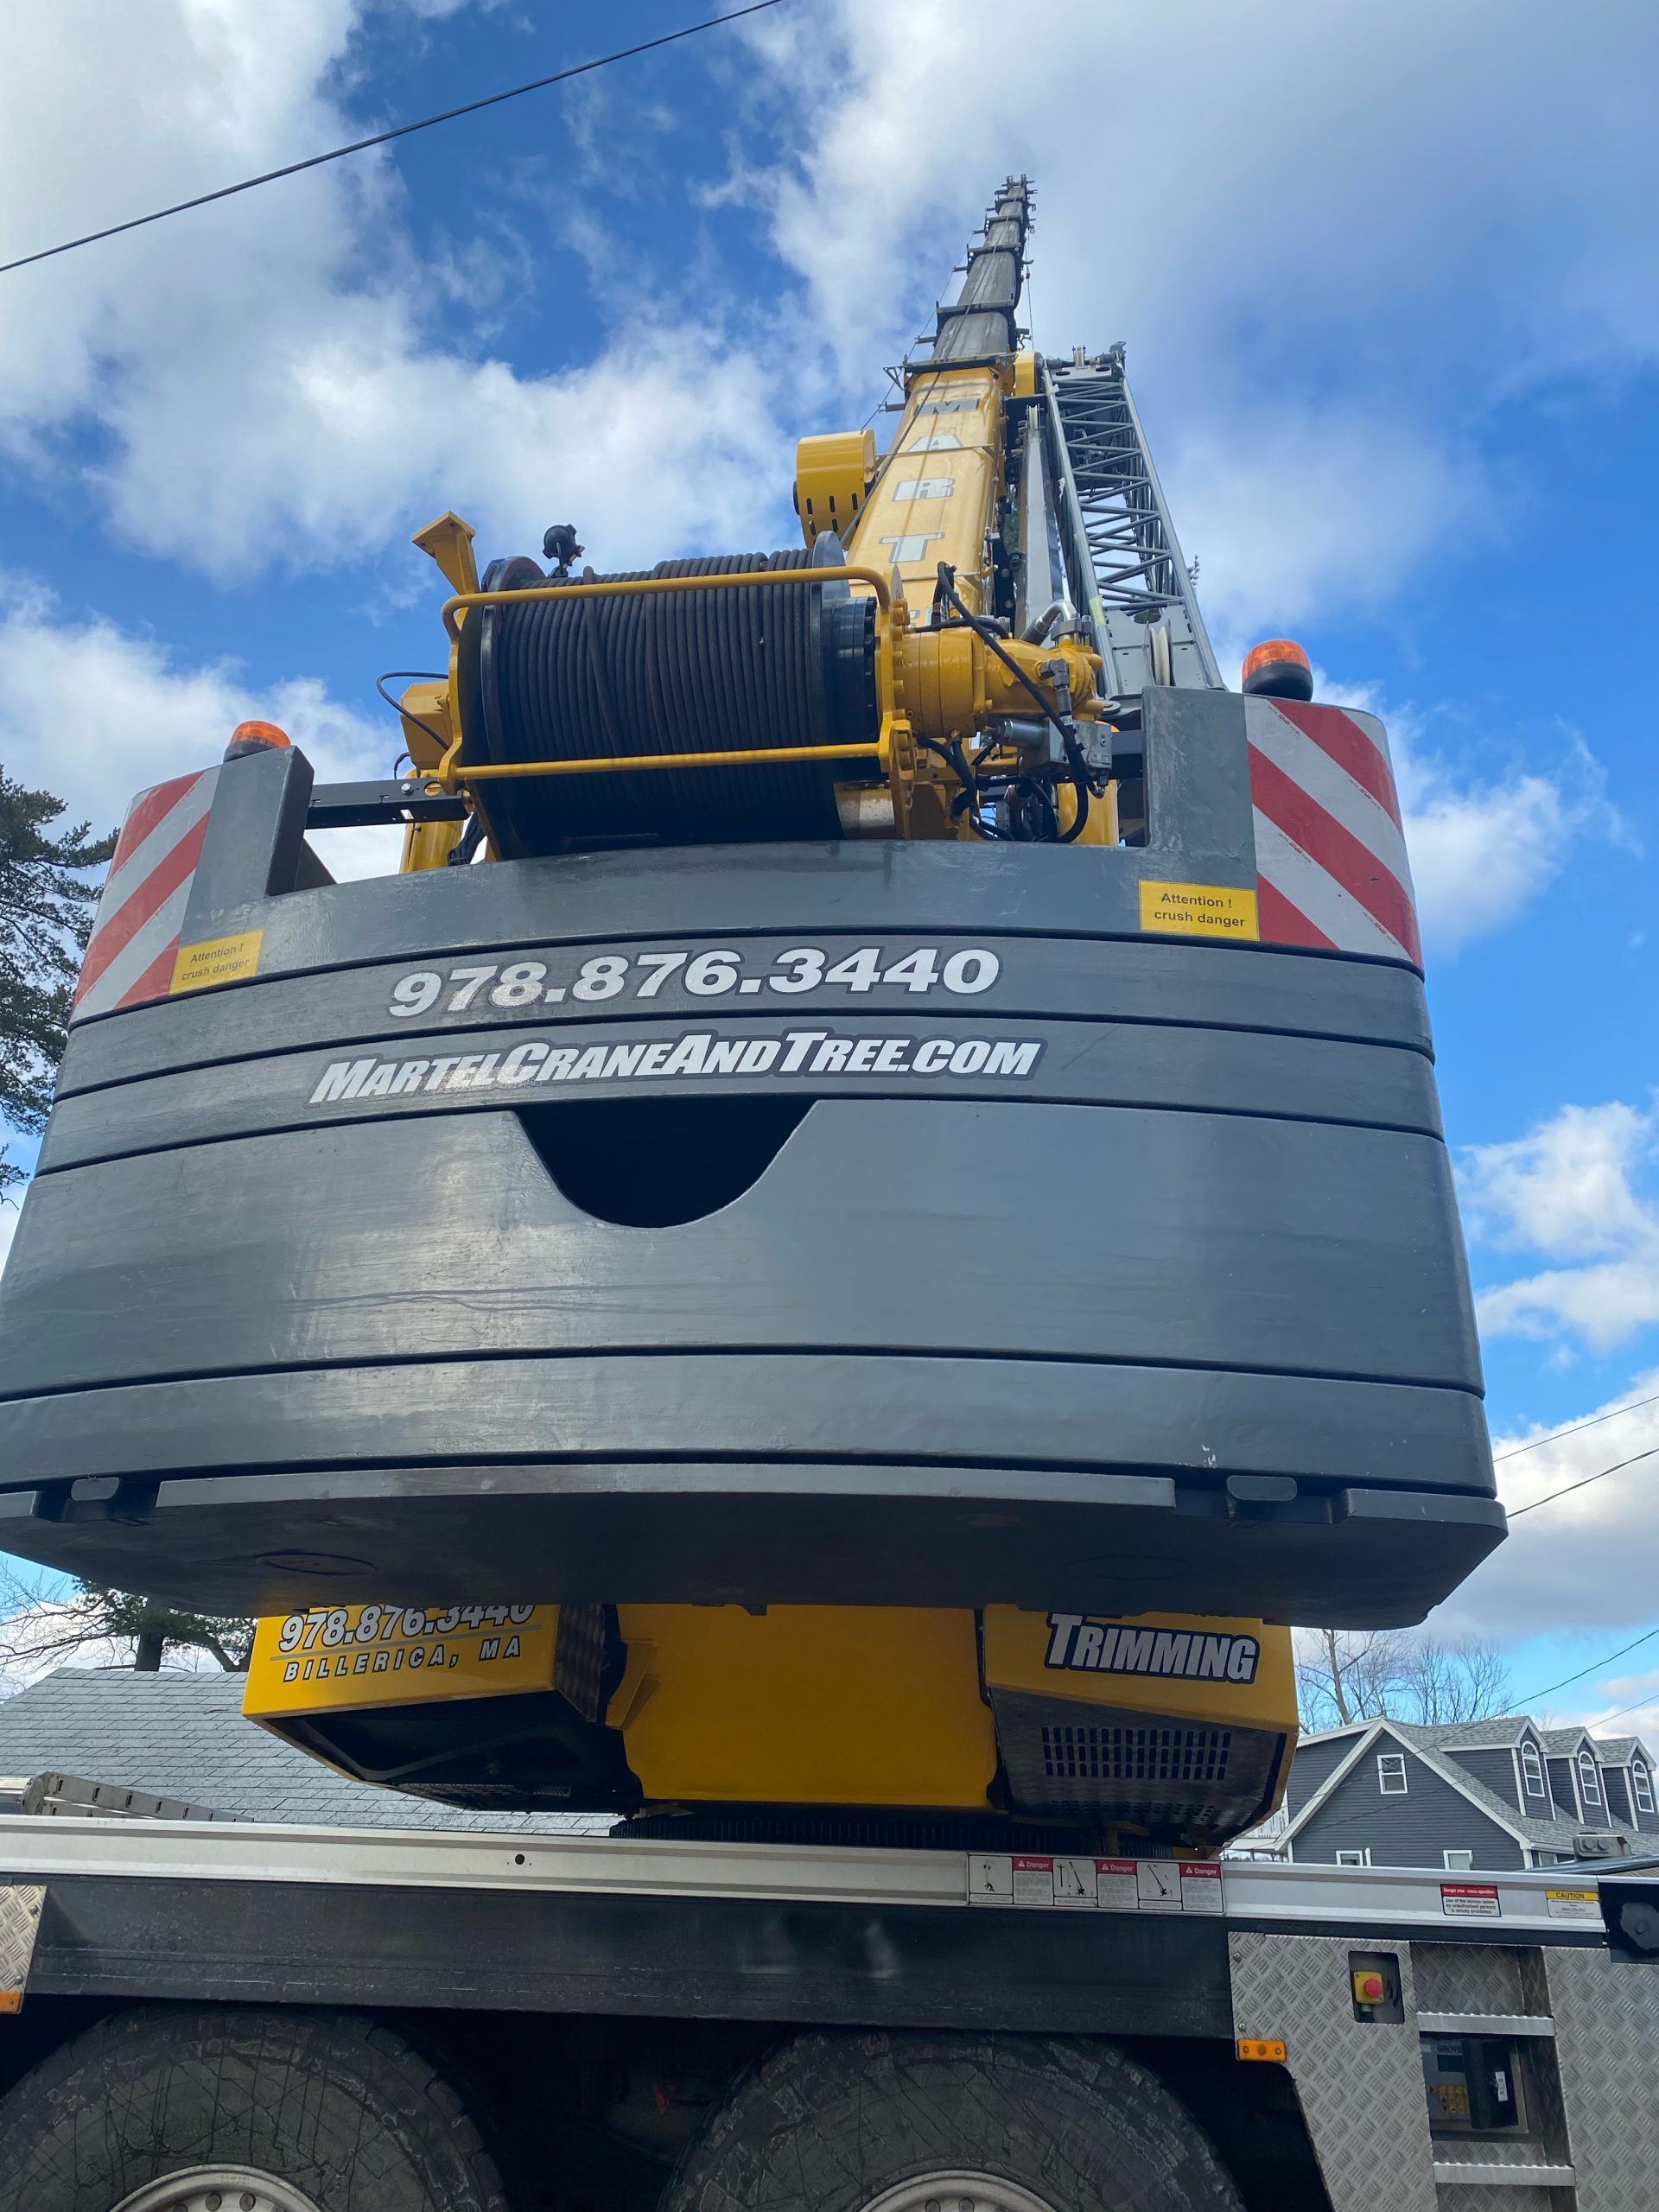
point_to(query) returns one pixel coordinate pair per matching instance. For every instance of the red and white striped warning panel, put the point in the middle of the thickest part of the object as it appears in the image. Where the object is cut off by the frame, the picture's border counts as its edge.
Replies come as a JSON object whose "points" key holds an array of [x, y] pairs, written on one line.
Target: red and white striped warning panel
{"points": [[135, 940], [1330, 853]]}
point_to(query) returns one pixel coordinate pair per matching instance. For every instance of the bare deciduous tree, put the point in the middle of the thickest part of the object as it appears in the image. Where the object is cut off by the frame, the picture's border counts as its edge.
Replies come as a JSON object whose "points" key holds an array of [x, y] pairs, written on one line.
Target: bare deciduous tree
{"points": [[1348, 1675], [36, 1630]]}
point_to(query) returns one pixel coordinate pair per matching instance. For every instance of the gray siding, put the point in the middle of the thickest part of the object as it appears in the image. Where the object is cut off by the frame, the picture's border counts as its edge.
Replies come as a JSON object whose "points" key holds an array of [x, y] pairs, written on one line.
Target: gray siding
{"points": [[1310, 1768], [1648, 1822], [1497, 1769], [1562, 1788], [1616, 1781], [1415, 1830]]}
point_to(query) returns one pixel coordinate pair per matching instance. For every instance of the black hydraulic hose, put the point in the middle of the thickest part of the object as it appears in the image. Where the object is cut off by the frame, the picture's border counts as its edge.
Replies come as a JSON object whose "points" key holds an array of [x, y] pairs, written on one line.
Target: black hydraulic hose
{"points": [[426, 675], [1080, 778], [951, 754]]}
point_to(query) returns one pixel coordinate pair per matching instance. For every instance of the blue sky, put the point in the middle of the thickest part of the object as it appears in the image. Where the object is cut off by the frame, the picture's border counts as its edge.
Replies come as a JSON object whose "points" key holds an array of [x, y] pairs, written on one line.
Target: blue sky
{"points": [[1387, 277]]}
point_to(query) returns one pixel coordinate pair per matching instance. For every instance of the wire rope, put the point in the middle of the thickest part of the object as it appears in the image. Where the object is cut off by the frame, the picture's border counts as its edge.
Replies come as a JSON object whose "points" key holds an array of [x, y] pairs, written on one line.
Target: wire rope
{"points": [[386, 137]]}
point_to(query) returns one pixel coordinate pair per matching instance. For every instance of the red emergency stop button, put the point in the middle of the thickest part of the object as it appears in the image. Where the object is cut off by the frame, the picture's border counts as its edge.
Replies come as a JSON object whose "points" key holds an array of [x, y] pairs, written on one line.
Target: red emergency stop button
{"points": [[1369, 1987]]}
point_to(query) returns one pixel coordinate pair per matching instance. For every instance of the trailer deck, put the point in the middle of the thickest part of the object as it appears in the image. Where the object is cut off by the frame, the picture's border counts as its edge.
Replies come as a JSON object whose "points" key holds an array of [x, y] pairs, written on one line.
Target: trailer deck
{"points": [[1247, 1968]]}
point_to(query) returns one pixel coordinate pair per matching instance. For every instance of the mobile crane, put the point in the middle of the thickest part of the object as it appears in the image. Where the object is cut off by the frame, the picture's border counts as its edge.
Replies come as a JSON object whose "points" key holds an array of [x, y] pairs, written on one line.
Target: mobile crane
{"points": [[893, 1221], [823, 1272]]}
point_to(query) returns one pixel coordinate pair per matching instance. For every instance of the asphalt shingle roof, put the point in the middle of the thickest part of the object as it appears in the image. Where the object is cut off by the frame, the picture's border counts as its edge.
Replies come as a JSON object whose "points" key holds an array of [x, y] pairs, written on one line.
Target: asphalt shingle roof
{"points": [[1562, 1743], [1430, 1745], [1477, 1735], [182, 1735], [1619, 1750]]}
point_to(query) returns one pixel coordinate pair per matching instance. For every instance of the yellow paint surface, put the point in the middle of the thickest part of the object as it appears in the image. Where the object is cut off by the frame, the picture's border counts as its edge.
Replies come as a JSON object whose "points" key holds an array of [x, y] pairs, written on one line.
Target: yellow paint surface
{"points": [[367, 1656]]}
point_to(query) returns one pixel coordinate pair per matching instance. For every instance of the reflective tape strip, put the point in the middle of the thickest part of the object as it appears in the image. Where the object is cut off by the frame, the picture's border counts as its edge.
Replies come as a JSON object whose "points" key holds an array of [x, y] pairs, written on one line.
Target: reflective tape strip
{"points": [[1327, 782], [1355, 742], [145, 898], [1334, 916], [1330, 858], [141, 915], [149, 834]]}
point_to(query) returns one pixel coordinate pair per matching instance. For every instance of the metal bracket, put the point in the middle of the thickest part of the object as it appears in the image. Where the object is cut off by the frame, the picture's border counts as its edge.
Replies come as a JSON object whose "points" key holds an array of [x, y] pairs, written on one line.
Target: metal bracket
{"points": [[358, 806]]}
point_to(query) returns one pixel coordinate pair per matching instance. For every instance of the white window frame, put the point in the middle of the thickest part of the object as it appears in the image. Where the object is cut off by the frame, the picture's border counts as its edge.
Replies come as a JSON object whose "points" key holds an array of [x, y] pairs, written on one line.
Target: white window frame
{"points": [[1355, 1856], [1391, 1771], [1641, 1787], [1590, 1790], [1535, 1782], [1458, 1862]]}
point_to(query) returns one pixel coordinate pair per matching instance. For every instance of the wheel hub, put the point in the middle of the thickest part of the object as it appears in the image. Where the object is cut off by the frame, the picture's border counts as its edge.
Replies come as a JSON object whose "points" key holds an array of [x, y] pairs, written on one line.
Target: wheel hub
{"points": [[952, 2192], [224, 2188]]}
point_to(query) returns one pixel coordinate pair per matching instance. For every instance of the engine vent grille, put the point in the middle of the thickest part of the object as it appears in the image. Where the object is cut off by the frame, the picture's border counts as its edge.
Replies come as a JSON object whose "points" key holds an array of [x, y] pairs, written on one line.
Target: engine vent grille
{"points": [[1081, 1752], [1191, 1780]]}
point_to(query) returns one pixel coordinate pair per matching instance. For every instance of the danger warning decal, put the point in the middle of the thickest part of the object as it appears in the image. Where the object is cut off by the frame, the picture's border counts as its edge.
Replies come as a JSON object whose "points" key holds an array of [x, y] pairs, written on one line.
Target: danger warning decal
{"points": [[1079, 1646], [812, 1053]]}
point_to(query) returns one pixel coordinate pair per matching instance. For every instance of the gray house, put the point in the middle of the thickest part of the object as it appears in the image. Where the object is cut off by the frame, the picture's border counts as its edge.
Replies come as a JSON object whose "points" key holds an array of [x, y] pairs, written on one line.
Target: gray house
{"points": [[182, 1735], [1486, 1793]]}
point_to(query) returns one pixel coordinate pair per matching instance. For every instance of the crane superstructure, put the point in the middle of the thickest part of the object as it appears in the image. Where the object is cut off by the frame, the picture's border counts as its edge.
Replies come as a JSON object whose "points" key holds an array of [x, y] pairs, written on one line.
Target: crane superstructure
{"points": [[858, 1228]]}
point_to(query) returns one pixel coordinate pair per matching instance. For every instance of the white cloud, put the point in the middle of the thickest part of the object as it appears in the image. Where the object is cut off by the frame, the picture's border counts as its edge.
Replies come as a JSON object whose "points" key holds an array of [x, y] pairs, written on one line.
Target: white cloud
{"points": [[1483, 848], [269, 378], [1329, 252], [8, 1228], [1483, 851], [95, 714], [1629, 1707], [1330, 235], [1565, 1188], [1294, 508], [1582, 1562], [1573, 1190]]}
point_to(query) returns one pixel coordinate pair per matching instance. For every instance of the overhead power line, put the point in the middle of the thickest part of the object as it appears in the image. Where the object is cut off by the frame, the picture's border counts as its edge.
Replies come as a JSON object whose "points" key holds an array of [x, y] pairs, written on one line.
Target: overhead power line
{"points": [[1595, 1667], [385, 137], [1585, 1481], [1635, 1706], [1594, 1421]]}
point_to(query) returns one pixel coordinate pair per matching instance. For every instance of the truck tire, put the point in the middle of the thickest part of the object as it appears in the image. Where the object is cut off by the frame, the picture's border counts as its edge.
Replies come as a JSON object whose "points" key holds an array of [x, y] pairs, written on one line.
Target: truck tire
{"points": [[944, 2123], [245, 2110]]}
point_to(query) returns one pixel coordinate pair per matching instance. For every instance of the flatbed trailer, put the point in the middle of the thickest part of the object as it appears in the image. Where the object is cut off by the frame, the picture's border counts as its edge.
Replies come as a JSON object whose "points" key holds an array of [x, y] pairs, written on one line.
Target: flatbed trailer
{"points": [[647, 2019]]}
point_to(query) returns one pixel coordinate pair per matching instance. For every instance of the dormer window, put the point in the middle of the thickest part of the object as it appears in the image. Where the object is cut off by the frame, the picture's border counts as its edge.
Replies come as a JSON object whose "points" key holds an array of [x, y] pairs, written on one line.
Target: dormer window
{"points": [[1589, 1779], [1642, 1783], [1532, 1770]]}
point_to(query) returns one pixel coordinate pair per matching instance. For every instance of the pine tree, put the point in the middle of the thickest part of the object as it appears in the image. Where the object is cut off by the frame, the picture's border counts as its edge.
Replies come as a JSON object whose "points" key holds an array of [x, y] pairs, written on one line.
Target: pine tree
{"points": [[47, 906], [35, 1628]]}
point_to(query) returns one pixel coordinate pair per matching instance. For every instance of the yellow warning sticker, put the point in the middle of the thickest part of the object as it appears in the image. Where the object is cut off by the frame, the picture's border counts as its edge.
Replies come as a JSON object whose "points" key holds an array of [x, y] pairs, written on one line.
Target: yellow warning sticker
{"points": [[1573, 1904], [397, 1655], [1199, 910], [217, 960]]}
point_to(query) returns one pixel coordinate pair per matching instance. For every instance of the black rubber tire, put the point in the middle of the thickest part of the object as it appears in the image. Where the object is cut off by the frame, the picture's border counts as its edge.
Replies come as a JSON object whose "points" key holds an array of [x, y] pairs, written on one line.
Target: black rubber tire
{"points": [[335, 2103], [829, 2122]]}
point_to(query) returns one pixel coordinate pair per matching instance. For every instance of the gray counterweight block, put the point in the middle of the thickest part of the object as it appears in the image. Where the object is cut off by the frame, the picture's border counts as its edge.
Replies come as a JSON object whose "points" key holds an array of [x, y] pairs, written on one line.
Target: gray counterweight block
{"points": [[547, 1261]]}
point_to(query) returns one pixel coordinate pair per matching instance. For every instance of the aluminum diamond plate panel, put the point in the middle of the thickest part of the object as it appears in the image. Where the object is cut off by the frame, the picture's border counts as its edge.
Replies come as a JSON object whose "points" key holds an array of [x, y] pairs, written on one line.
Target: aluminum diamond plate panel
{"points": [[1607, 2039], [20, 1923], [1360, 2083]]}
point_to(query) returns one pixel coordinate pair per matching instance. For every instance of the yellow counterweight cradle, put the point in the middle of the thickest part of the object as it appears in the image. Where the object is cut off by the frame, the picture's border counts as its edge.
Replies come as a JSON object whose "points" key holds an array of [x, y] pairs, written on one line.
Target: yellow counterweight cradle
{"points": [[1168, 1727]]}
